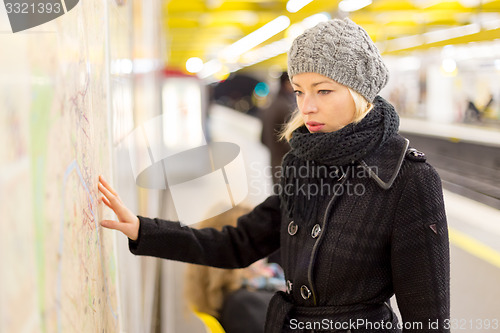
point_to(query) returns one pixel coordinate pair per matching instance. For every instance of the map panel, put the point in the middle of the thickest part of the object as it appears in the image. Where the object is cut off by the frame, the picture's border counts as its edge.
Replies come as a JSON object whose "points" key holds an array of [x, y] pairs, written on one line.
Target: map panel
{"points": [[60, 266]]}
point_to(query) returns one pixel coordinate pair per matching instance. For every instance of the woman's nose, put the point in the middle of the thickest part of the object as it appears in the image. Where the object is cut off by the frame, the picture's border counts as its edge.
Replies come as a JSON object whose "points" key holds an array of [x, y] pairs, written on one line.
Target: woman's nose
{"points": [[309, 105]]}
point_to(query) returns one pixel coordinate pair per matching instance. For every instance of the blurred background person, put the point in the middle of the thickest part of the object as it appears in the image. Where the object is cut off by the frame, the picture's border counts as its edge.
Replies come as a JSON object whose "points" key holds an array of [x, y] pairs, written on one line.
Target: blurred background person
{"points": [[273, 117]]}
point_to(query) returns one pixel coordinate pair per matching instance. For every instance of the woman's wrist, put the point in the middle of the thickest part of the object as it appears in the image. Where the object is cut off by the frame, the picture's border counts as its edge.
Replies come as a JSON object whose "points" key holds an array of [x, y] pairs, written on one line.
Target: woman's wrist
{"points": [[134, 235]]}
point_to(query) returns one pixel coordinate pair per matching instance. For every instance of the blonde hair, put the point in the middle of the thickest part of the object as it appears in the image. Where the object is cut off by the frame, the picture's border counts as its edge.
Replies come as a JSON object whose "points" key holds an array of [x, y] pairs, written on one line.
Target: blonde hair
{"points": [[296, 121], [207, 287]]}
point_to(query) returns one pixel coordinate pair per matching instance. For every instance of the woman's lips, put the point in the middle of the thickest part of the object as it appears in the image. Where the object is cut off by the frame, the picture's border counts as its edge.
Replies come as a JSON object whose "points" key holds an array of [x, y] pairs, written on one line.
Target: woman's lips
{"points": [[314, 126]]}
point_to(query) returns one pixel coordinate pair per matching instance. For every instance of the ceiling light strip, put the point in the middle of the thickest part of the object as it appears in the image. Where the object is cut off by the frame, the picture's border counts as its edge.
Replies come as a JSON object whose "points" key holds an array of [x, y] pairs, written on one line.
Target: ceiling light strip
{"points": [[294, 6], [353, 5], [437, 36], [233, 51]]}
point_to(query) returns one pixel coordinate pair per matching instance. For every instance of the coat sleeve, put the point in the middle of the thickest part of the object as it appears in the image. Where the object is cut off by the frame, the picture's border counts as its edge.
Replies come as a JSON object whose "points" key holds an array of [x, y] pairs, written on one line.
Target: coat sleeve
{"points": [[255, 236], [420, 253]]}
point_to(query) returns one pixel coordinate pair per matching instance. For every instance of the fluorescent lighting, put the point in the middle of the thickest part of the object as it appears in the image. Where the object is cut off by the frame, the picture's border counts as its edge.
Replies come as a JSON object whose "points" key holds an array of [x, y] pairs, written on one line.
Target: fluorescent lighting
{"points": [[263, 53], [194, 65], [445, 34], [491, 24], [309, 22], [404, 43], [497, 64], [470, 3], [294, 6], [233, 51], [283, 45], [353, 5], [145, 65], [449, 65], [266, 52], [210, 68], [431, 37], [122, 66], [312, 20], [409, 63]]}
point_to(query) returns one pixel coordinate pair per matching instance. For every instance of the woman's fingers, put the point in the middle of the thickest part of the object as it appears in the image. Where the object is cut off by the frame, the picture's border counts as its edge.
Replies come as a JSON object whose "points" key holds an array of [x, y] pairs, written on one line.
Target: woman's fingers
{"points": [[111, 224], [114, 203], [127, 222], [111, 201], [107, 186], [130, 230], [106, 202], [109, 196]]}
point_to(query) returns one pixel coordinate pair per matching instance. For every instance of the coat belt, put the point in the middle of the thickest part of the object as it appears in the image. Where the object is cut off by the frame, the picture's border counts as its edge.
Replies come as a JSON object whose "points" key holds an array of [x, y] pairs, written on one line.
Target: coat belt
{"points": [[281, 312]]}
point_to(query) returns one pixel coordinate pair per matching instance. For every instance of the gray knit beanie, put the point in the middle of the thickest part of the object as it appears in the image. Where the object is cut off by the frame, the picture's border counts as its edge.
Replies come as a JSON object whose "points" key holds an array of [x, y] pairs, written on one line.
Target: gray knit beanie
{"points": [[342, 51]]}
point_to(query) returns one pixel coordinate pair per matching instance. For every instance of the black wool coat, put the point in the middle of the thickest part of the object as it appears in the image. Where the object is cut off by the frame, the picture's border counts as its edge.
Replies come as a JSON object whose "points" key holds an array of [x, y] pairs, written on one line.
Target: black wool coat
{"points": [[381, 232]]}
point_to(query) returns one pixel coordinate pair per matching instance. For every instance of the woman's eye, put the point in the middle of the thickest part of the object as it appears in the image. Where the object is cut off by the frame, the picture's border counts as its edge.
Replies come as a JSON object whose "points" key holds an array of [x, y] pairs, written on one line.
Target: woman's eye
{"points": [[297, 92], [324, 92]]}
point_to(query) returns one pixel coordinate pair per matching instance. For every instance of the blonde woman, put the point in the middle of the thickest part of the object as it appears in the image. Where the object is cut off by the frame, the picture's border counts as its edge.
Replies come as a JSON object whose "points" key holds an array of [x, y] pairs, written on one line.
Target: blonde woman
{"points": [[359, 215]]}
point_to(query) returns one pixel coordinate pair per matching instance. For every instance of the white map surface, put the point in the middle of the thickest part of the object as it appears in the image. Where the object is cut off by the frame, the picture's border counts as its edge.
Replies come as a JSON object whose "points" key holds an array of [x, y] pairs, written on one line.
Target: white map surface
{"points": [[59, 269]]}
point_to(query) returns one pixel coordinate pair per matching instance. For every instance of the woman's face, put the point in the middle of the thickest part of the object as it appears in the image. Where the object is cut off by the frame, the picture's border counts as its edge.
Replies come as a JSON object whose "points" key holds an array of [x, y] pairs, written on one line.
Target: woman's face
{"points": [[325, 105]]}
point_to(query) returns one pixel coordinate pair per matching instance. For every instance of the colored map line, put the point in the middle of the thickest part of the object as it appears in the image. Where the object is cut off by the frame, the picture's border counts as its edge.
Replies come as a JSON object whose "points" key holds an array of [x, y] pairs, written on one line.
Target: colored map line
{"points": [[73, 166]]}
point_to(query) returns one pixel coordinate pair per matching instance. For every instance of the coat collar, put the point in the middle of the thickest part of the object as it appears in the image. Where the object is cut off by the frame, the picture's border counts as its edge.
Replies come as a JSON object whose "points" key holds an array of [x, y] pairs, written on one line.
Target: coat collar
{"points": [[383, 165]]}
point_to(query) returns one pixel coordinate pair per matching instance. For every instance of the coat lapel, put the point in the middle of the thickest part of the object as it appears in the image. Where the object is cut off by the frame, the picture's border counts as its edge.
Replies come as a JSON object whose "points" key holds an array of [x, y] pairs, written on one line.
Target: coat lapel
{"points": [[383, 165]]}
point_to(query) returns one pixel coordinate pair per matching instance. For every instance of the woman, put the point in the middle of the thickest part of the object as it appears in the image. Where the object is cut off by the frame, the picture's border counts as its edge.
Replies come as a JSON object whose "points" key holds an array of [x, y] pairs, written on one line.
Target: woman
{"points": [[360, 216]]}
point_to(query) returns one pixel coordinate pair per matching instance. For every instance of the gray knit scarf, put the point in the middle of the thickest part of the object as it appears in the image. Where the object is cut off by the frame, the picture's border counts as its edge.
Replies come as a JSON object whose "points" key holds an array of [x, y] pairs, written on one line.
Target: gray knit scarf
{"points": [[316, 158]]}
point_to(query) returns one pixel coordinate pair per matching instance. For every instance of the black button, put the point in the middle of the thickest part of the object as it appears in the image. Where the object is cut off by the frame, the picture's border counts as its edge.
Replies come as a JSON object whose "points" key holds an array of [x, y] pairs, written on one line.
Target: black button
{"points": [[292, 228], [316, 231], [305, 292], [289, 285]]}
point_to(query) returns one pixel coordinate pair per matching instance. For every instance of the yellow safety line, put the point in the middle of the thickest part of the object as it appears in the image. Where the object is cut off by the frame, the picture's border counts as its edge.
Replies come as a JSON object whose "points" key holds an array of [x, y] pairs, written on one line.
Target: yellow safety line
{"points": [[474, 247]]}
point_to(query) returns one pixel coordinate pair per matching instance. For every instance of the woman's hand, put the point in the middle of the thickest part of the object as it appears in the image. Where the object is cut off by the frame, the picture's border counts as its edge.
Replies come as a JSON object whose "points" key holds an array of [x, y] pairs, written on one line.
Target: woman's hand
{"points": [[128, 222]]}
